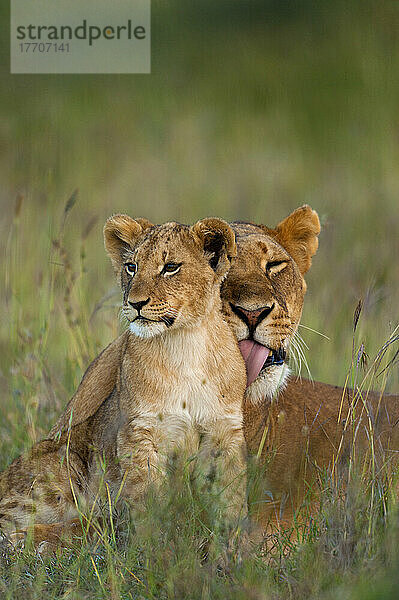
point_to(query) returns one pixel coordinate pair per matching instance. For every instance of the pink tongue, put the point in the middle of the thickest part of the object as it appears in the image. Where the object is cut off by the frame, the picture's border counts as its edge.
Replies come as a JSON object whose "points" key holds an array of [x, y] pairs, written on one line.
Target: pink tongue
{"points": [[255, 356]]}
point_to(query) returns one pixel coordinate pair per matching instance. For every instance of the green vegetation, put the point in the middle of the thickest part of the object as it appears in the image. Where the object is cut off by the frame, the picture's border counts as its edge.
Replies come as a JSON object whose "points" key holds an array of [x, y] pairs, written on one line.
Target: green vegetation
{"points": [[251, 110]]}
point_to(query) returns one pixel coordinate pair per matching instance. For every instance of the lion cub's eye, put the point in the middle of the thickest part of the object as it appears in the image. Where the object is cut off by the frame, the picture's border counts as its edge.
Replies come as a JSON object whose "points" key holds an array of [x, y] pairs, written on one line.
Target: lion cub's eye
{"points": [[275, 266], [171, 268], [131, 269]]}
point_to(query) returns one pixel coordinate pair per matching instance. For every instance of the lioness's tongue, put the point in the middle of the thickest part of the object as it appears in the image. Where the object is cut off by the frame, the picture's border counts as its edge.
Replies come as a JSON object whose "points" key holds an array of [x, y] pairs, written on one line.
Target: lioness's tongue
{"points": [[255, 356]]}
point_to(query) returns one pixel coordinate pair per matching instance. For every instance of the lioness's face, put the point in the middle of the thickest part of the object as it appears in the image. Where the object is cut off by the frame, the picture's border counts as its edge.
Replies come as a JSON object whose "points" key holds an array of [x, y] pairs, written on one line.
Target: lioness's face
{"points": [[170, 274], [263, 294]]}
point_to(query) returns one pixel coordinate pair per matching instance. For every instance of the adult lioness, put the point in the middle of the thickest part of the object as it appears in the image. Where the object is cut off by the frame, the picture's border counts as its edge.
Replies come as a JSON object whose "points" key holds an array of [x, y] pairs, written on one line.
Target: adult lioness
{"points": [[306, 427], [180, 380]]}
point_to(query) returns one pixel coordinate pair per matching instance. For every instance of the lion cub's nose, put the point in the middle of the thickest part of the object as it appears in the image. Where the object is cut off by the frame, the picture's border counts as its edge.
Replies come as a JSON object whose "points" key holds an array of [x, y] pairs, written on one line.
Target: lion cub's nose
{"points": [[252, 317], [139, 305]]}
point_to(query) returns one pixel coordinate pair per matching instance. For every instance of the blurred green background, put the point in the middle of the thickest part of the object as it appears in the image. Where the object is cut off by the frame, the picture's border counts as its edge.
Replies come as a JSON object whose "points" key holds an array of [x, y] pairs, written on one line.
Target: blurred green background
{"points": [[251, 109]]}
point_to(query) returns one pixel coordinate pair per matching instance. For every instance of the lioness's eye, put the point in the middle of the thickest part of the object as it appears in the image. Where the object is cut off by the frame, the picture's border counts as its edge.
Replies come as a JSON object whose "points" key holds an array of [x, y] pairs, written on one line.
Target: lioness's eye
{"points": [[131, 269], [275, 266], [171, 268]]}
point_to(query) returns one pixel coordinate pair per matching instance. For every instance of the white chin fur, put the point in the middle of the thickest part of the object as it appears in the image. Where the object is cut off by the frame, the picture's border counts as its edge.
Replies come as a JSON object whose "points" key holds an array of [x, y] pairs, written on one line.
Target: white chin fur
{"points": [[268, 384], [146, 330]]}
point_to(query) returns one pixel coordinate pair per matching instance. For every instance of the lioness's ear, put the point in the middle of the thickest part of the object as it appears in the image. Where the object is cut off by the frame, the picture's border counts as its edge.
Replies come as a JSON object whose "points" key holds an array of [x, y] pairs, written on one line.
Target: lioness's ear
{"points": [[298, 235], [120, 234], [217, 239]]}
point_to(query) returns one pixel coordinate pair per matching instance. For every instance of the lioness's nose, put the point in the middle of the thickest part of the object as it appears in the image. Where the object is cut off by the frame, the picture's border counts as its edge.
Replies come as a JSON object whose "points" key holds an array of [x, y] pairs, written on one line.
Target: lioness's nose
{"points": [[139, 305], [252, 317]]}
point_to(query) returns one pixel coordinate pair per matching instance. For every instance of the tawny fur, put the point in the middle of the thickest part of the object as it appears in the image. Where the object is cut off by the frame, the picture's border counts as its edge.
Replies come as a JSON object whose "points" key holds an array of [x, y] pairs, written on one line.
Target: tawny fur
{"points": [[310, 431]]}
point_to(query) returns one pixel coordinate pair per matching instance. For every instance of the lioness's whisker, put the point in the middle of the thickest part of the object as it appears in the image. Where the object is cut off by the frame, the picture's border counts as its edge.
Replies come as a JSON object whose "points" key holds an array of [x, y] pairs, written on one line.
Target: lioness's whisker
{"points": [[301, 341], [296, 357], [297, 342], [305, 362], [314, 331]]}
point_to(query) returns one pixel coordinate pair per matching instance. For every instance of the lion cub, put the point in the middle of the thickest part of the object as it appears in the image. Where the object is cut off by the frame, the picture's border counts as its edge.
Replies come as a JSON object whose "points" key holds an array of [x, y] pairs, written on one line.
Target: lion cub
{"points": [[180, 383], [181, 379]]}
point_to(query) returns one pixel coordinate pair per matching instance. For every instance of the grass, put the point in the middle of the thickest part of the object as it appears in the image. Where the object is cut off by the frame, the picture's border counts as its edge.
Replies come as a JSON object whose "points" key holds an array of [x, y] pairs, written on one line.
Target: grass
{"points": [[247, 115], [348, 548]]}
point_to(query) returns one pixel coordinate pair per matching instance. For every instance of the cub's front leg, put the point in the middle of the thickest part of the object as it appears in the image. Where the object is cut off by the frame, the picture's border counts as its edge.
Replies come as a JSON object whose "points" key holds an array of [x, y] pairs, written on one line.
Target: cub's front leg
{"points": [[137, 451], [147, 443], [222, 459]]}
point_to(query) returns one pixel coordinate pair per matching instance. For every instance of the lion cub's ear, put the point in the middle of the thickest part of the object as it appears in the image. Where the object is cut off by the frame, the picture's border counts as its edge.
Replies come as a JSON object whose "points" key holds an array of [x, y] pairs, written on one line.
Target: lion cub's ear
{"points": [[120, 234], [217, 239], [298, 235]]}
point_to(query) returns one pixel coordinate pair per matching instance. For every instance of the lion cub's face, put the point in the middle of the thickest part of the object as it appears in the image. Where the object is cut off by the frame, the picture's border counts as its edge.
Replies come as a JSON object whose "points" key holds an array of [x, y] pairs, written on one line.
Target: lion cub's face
{"points": [[264, 292], [170, 274]]}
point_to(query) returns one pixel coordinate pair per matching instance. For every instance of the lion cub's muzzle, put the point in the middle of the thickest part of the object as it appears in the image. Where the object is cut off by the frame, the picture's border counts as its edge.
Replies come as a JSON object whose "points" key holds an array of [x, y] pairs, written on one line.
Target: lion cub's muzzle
{"points": [[138, 305], [144, 311]]}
